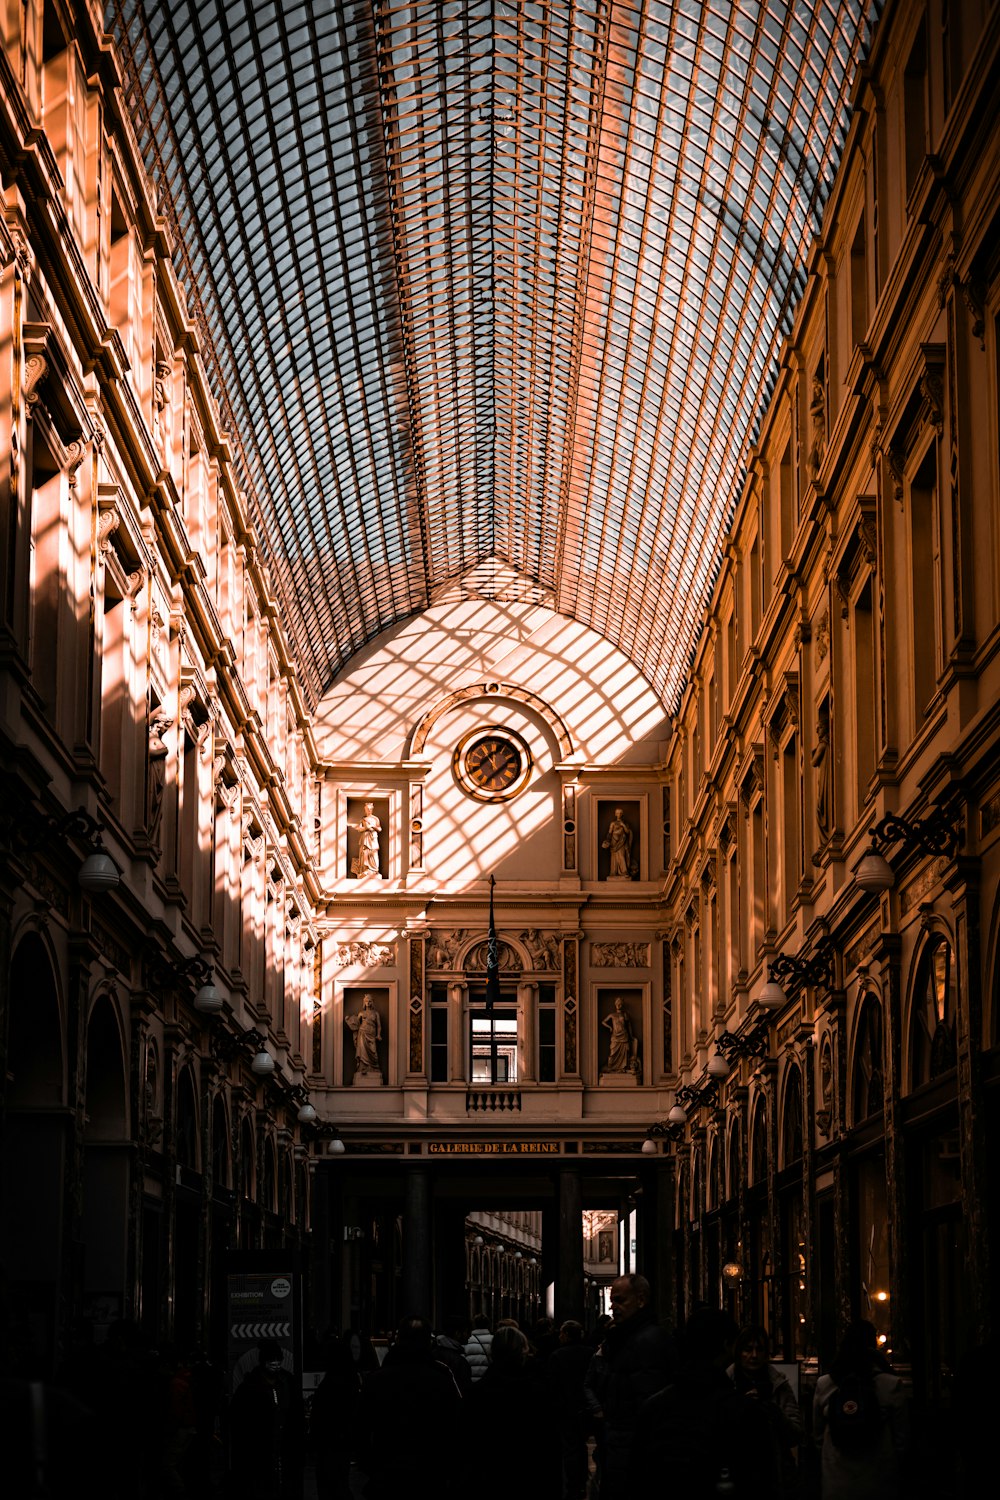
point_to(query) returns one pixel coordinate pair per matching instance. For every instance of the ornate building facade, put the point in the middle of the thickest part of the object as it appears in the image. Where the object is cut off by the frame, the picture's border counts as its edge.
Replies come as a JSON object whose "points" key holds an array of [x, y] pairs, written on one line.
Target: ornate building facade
{"points": [[760, 1035]]}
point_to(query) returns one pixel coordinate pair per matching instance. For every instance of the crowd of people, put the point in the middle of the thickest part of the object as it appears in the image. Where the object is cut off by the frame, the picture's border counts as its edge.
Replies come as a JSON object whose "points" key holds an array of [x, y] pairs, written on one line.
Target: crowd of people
{"points": [[554, 1415], [547, 1414]]}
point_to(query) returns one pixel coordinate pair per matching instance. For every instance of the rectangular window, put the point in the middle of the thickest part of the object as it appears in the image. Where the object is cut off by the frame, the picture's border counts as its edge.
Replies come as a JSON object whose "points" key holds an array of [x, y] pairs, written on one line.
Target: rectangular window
{"points": [[790, 790], [439, 1033], [786, 500], [924, 576], [864, 695], [546, 1033], [755, 589], [439, 1044], [759, 886], [493, 1045], [952, 69], [859, 286], [915, 109]]}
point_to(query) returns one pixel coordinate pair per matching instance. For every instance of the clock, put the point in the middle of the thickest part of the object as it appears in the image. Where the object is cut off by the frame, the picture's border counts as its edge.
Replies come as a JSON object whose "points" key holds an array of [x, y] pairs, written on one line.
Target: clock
{"points": [[492, 764]]}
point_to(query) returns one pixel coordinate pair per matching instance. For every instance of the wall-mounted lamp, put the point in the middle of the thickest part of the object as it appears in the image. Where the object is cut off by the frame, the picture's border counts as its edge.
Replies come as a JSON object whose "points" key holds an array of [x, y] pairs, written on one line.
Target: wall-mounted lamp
{"points": [[686, 1100], [31, 830], [208, 998], [796, 972], [695, 1096], [660, 1130], [323, 1132], [262, 1063], [772, 996], [98, 872], [732, 1275], [306, 1113], [938, 833], [164, 973], [751, 1039]]}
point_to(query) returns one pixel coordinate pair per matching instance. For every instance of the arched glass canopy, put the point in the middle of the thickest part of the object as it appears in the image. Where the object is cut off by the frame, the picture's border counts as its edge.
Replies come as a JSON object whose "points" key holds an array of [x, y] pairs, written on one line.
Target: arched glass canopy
{"points": [[491, 280]]}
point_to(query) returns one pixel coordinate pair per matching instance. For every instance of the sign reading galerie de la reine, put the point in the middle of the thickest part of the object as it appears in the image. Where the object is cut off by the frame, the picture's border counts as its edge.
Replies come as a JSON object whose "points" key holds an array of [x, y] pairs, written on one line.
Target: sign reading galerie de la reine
{"points": [[493, 1148]]}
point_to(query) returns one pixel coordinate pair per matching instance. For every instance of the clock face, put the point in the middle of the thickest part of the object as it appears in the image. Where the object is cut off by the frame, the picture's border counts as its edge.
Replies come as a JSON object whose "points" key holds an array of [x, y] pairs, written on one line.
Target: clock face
{"points": [[492, 765]]}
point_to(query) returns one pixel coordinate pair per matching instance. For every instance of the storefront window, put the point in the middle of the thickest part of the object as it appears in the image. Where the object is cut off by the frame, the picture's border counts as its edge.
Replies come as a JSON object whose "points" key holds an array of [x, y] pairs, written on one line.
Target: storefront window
{"points": [[873, 1249], [795, 1276]]}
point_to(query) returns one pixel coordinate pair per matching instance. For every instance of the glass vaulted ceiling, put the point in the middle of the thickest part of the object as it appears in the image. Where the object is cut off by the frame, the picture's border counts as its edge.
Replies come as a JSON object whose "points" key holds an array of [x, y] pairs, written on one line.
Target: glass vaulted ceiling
{"points": [[492, 281]]}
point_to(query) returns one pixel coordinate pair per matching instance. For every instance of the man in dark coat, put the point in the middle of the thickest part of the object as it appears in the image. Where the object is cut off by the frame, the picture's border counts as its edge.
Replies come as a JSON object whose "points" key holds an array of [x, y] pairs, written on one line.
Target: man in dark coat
{"points": [[635, 1360], [266, 1429], [408, 1419]]}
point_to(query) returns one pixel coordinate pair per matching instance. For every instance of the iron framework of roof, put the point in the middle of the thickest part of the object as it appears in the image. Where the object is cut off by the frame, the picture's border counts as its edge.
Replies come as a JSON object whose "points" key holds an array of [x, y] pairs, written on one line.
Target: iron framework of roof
{"points": [[485, 280]]}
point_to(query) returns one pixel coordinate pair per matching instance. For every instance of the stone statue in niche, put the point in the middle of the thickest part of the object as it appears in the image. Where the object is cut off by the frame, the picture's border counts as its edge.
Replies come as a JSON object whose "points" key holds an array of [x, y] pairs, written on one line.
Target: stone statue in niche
{"points": [[159, 722], [366, 1028], [817, 416], [366, 861], [821, 764], [623, 1047], [618, 842]]}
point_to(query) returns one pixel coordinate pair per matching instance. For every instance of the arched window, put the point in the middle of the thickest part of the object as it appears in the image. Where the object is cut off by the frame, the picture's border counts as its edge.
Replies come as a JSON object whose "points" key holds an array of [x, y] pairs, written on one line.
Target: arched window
{"points": [[268, 1185], [247, 1165], [735, 1164], [758, 1145], [715, 1193], [681, 1204], [932, 1023], [221, 1161], [697, 1192], [791, 1133], [288, 1189], [187, 1123], [868, 1076]]}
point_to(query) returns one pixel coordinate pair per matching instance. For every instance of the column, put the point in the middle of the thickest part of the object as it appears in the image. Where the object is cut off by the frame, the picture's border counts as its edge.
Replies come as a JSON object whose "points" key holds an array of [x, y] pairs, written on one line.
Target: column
{"points": [[656, 1239], [527, 1014], [417, 1243], [456, 1034], [569, 1263]]}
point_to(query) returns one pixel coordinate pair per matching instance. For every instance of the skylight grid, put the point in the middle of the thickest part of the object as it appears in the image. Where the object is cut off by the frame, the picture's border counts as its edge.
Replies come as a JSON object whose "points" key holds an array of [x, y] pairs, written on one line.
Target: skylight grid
{"points": [[492, 279]]}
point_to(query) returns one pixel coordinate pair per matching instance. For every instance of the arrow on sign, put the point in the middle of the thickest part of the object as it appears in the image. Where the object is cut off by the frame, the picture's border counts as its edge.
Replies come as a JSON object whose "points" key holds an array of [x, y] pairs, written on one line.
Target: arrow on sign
{"points": [[259, 1331]]}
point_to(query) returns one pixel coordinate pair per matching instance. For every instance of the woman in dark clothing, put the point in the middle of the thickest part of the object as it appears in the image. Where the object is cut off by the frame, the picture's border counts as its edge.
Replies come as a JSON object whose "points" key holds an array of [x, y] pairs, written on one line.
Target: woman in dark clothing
{"points": [[755, 1377], [513, 1398]]}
